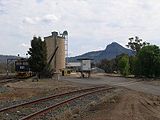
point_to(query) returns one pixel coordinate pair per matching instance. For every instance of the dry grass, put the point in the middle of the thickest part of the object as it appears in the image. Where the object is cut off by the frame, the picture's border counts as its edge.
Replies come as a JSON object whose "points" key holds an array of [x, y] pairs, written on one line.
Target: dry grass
{"points": [[42, 84], [91, 106], [109, 99], [20, 94], [66, 116], [27, 88], [104, 101], [76, 110], [69, 115]]}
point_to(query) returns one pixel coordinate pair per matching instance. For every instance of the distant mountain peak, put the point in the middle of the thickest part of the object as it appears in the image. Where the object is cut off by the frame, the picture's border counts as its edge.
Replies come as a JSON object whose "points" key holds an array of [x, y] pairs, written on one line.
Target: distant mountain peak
{"points": [[113, 45], [112, 50]]}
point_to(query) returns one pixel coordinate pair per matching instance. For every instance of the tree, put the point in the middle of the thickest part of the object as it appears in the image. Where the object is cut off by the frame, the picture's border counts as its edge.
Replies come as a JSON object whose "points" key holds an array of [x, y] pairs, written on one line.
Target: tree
{"points": [[132, 63], [148, 62], [123, 65], [109, 66], [38, 55], [136, 44]]}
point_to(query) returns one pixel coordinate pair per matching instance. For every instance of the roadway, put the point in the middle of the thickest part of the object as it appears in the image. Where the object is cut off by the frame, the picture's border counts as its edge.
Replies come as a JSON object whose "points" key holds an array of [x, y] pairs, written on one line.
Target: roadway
{"points": [[133, 84]]}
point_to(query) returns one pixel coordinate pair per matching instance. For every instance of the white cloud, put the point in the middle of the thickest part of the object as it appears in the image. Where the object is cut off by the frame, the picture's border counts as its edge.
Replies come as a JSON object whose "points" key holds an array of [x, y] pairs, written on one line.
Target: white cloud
{"points": [[29, 20], [37, 20], [49, 18], [92, 22], [25, 45]]}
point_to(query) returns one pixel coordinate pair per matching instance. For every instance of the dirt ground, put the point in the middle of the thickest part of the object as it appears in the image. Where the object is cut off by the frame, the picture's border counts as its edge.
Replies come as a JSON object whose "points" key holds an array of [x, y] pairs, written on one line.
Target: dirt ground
{"points": [[129, 105], [125, 105], [28, 89]]}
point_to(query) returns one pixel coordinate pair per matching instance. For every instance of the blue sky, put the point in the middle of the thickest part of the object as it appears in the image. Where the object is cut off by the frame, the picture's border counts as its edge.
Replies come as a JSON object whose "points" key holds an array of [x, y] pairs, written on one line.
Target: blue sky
{"points": [[91, 24]]}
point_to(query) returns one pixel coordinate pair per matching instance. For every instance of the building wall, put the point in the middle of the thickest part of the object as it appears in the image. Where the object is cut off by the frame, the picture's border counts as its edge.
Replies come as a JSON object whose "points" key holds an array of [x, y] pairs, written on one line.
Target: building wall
{"points": [[86, 65], [52, 42]]}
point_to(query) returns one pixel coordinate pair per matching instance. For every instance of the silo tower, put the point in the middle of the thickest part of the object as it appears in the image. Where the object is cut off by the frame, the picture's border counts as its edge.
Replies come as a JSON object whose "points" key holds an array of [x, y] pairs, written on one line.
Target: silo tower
{"points": [[65, 35], [53, 41]]}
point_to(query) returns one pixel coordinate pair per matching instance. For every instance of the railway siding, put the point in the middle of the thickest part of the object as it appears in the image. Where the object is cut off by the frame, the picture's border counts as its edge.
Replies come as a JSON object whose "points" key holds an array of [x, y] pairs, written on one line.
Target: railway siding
{"points": [[18, 113]]}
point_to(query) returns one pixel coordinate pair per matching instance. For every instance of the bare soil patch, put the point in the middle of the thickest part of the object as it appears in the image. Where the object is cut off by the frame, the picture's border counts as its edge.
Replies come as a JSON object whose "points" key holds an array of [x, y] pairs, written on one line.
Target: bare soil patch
{"points": [[129, 105], [28, 89], [120, 105], [152, 82]]}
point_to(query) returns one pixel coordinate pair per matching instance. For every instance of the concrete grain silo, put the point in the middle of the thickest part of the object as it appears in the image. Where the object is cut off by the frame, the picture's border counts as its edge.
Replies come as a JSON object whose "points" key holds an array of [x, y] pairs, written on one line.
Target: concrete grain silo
{"points": [[53, 41]]}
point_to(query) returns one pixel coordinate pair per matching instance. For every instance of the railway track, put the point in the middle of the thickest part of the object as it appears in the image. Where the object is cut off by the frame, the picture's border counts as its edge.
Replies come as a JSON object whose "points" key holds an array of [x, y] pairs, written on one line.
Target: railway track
{"points": [[6, 80], [36, 108]]}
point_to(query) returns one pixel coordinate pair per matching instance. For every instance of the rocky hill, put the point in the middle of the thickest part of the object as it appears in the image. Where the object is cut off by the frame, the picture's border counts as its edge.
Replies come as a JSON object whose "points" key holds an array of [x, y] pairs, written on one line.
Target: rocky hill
{"points": [[111, 51], [3, 58]]}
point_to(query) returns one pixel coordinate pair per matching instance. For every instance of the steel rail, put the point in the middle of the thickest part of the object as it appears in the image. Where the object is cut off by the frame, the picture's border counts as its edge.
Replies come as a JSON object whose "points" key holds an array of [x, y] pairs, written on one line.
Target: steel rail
{"points": [[48, 98], [34, 115], [6, 81]]}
